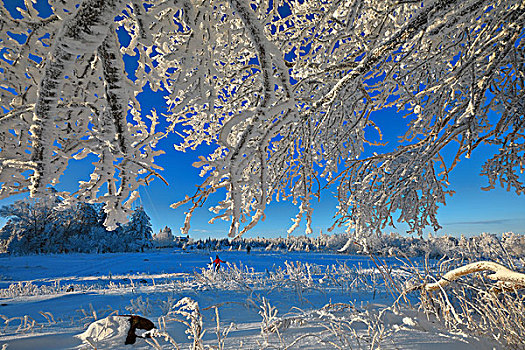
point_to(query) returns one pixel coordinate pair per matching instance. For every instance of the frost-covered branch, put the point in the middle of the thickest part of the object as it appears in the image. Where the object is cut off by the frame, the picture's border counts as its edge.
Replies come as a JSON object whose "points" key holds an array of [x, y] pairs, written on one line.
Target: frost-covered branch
{"points": [[81, 34], [288, 92], [501, 274], [81, 107]]}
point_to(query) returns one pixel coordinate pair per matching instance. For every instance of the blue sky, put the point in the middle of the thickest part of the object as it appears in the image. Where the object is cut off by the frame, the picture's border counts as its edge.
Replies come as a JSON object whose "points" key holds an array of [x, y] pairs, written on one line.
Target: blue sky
{"points": [[469, 211]]}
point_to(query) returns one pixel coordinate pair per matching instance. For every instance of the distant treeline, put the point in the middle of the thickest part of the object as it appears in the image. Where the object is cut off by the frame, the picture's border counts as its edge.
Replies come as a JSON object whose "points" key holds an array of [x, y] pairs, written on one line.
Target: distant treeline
{"points": [[393, 244], [44, 226]]}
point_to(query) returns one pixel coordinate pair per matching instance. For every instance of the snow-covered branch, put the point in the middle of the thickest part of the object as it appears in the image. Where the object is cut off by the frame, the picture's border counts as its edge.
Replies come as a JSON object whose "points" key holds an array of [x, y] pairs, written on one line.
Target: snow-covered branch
{"points": [[501, 274], [288, 92], [81, 34]]}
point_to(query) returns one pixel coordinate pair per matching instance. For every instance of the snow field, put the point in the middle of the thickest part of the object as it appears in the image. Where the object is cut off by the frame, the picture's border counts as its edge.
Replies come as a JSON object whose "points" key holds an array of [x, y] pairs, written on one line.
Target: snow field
{"points": [[257, 301]]}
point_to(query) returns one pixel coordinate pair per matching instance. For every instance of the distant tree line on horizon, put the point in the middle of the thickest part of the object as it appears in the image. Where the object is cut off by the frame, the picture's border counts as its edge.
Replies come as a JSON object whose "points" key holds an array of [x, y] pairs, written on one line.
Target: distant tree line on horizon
{"points": [[485, 245], [45, 226], [42, 226]]}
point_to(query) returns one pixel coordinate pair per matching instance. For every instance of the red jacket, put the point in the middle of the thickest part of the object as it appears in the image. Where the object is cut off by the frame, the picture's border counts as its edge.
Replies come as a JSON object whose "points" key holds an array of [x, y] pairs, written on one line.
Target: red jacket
{"points": [[218, 261]]}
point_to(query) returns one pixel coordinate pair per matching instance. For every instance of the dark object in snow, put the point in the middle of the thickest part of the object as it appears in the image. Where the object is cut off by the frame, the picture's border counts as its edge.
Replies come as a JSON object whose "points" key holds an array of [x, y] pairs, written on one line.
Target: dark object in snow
{"points": [[248, 249], [143, 281], [138, 322], [4, 304], [70, 289], [146, 259]]}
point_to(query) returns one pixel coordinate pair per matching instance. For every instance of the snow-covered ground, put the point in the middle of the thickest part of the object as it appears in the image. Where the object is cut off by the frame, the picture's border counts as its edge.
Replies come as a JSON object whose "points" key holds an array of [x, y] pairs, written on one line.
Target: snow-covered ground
{"points": [[292, 300]]}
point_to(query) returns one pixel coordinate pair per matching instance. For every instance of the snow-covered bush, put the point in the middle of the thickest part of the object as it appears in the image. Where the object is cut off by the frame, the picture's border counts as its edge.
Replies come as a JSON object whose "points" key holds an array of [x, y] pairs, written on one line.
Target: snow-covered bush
{"points": [[513, 244]]}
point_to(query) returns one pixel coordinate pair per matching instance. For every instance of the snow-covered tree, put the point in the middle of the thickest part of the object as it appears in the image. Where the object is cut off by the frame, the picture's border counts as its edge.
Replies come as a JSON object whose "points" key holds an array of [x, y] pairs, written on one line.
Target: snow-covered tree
{"points": [[38, 226], [32, 225], [66, 95], [287, 90], [137, 232]]}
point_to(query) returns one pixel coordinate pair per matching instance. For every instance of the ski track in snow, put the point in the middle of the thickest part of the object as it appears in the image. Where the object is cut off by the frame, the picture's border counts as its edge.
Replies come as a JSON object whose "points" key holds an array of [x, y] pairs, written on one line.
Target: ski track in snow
{"points": [[141, 283]]}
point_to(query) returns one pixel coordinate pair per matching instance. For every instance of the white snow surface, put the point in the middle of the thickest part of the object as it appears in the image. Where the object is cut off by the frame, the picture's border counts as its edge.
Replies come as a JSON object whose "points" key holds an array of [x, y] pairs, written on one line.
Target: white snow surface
{"points": [[60, 301]]}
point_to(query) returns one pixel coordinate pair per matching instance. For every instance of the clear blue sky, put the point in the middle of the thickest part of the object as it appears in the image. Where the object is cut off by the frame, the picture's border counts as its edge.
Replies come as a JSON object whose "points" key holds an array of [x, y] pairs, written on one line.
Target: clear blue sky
{"points": [[469, 211]]}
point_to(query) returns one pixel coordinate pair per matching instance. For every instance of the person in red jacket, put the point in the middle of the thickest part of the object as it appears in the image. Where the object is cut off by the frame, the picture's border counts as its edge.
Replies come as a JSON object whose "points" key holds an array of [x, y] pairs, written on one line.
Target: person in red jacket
{"points": [[217, 263]]}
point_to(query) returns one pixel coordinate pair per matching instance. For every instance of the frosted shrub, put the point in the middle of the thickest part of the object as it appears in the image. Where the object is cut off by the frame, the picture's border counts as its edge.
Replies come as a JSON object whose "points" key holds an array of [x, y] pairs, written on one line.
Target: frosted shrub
{"points": [[230, 277], [208, 278], [514, 244], [242, 277], [268, 323], [28, 289], [189, 309], [140, 306], [300, 277], [437, 247], [351, 328], [337, 326]]}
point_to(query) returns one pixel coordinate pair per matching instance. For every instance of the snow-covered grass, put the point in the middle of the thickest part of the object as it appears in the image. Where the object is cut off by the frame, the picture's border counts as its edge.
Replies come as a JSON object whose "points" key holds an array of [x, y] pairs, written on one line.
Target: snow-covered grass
{"points": [[261, 300]]}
